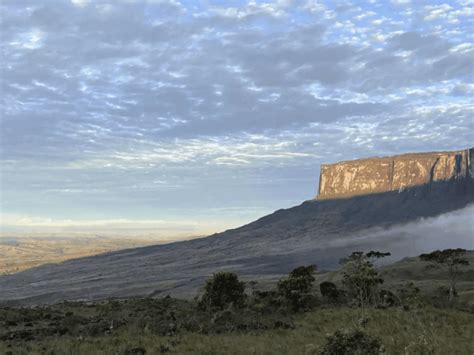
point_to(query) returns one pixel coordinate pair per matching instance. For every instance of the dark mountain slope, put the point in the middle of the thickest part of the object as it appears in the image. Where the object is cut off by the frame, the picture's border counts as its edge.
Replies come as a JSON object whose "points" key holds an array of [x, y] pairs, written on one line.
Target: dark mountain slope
{"points": [[315, 232]]}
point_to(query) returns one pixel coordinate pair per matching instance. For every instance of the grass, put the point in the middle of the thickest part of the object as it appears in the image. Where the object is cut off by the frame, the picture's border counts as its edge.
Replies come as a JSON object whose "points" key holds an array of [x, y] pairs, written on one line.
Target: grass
{"points": [[424, 331]]}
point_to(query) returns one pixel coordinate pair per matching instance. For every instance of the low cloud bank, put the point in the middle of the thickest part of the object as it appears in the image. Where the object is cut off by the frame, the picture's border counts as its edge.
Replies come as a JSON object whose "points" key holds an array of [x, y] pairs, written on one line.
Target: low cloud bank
{"points": [[450, 230]]}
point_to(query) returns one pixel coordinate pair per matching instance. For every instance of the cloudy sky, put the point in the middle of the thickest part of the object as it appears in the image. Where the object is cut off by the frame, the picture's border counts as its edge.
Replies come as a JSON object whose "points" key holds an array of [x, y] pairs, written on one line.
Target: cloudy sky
{"points": [[189, 117]]}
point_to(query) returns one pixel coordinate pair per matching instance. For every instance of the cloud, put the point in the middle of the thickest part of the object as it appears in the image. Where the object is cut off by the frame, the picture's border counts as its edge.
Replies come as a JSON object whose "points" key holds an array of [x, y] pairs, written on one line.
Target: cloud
{"points": [[450, 230], [169, 230], [101, 99], [80, 3]]}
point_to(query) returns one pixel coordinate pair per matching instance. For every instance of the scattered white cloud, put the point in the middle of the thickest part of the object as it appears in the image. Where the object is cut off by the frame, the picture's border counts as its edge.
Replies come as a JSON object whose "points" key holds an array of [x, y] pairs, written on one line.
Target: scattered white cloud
{"points": [[276, 8], [80, 3], [135, 106], [31, 39], [401, 2]]}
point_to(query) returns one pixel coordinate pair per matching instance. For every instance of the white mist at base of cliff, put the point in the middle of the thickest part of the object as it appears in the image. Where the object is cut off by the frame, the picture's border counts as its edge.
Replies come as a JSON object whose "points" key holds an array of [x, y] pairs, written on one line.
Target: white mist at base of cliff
{"points": [[451, 230]]}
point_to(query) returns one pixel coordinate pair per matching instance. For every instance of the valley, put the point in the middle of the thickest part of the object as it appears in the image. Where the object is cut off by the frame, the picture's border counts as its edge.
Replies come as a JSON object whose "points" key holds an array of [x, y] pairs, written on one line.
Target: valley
{"points": [[25, 252]]}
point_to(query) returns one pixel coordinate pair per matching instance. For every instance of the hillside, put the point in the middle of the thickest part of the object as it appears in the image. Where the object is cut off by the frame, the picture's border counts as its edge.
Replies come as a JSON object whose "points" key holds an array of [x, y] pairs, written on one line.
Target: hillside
{"points": [[318, 232], [425, 275]]}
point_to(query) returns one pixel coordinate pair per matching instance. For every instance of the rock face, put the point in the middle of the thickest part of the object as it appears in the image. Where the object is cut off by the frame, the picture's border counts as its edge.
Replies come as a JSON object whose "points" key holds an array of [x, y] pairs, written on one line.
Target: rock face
{"points": [[396, 173]]}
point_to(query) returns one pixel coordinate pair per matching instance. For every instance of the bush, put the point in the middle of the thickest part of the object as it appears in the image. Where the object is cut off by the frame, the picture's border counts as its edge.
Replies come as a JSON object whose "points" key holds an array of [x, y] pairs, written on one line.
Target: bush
{"points": [[265, 301], [388, 299], [410, 296], [356, 342], [223, 289], [296, 288], [329, 291]]}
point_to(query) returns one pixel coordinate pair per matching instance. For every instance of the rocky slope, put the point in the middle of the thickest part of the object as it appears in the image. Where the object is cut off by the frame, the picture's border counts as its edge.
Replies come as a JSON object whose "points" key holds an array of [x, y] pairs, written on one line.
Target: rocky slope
{"points": [[317, 231], [374, 175]]}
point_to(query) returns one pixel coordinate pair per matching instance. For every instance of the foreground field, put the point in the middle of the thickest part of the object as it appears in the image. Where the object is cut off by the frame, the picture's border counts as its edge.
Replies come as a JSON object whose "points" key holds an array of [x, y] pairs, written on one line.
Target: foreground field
{"points": [[423, 331]]}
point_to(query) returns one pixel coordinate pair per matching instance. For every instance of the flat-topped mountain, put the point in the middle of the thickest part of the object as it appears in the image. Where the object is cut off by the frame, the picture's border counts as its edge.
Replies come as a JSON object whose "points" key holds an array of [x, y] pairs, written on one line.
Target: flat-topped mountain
{"points": [[375, 175], [321, 231]]}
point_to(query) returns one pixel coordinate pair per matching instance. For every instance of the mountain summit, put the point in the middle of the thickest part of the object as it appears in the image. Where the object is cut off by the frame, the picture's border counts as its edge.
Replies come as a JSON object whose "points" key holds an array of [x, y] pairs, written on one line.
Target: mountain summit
{"points": [[389, 204], [376, 175]]}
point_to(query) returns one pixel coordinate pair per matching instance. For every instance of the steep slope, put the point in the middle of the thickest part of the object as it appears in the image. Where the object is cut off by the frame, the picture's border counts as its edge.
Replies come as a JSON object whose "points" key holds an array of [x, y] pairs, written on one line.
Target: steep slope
{"points": [[317, 231]]}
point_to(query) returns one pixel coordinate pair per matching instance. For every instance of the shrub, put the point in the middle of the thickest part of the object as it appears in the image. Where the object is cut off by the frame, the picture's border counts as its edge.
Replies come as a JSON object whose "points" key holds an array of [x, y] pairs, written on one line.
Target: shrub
{"points": [[410, 296], [356, 342], [223, 289], [388, 299], [296, 288], [265, 301], [329, 291]]}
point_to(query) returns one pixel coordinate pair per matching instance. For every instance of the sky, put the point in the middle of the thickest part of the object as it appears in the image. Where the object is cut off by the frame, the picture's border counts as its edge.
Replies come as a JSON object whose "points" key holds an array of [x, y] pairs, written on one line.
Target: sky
{"points": [[179, 117]]}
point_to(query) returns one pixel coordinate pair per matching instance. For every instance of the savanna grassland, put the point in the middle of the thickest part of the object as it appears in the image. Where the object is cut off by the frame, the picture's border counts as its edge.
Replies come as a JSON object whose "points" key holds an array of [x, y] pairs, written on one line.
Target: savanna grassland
{"points": [[423, 331]]}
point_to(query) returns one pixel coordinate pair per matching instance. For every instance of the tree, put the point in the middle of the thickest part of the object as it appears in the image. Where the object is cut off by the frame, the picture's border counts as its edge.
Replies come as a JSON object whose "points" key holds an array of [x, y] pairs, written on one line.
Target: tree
{"points": [[453, 260], [360, 276], [223, 289], [297, 285]]}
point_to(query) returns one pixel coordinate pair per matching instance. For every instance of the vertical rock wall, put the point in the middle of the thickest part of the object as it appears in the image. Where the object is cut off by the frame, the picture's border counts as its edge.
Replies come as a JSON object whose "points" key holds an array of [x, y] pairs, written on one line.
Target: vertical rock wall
{"points": [[375, 175]]}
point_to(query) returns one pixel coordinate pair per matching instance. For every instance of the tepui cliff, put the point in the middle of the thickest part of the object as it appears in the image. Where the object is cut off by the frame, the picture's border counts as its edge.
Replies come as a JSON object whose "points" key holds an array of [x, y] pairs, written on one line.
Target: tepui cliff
{"points": [[396, 173]]}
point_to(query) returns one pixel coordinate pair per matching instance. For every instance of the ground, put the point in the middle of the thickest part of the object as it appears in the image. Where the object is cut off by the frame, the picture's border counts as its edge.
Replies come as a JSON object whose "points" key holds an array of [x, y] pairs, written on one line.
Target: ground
{"points": [[426, 330]]}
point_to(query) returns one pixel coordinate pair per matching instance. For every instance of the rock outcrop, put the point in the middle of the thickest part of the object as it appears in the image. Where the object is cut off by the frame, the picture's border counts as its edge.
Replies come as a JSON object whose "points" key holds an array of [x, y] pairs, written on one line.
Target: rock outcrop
{"points": [[396, 173]]}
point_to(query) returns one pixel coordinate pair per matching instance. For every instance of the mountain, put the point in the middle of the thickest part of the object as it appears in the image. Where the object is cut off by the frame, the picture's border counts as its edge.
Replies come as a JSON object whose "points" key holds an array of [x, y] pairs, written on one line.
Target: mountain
{"points": [[342, 219], [375, 175]]}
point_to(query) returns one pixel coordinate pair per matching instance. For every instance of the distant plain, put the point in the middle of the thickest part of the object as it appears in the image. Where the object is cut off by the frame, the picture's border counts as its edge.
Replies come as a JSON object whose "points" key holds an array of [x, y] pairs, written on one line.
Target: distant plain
{"points": [[21, 253]]}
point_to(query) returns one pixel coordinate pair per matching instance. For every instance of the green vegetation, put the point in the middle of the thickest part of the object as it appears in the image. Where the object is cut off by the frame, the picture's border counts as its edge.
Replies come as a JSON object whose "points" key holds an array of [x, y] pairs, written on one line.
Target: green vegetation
{"points": [[354, 342], [349, 316], [361, 278], [423, 331], [297, 287], [329, 291], [223, 289]]}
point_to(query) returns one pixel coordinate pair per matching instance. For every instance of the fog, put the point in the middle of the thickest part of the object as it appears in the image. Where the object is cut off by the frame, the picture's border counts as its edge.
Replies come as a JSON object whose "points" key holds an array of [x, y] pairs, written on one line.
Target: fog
{"points": [[450, 230]]}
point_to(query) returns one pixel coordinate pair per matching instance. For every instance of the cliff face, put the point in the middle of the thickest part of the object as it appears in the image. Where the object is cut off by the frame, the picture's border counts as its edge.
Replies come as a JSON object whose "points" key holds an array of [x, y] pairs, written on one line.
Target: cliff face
{"points": [[376, 175]]}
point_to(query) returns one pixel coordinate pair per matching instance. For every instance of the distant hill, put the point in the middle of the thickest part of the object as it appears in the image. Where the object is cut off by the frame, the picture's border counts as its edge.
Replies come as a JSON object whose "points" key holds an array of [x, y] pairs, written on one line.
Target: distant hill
{"points": [[317, 231]]}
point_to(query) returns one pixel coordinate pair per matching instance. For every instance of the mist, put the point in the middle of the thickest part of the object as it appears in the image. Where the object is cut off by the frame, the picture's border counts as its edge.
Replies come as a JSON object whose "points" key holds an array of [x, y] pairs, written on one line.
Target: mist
{"points": [[451, 230]]}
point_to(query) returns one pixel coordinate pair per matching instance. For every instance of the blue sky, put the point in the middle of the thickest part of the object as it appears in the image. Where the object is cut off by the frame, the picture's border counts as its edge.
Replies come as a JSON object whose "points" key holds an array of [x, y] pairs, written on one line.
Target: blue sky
{"points": [[188, 117]]}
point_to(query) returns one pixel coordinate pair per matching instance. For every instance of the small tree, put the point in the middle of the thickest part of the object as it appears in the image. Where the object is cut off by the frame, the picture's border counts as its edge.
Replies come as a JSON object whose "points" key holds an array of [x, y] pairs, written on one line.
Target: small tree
{"points": [[223, 289], [297, 285], [360, 276], [410, 296], [453, 260]]}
